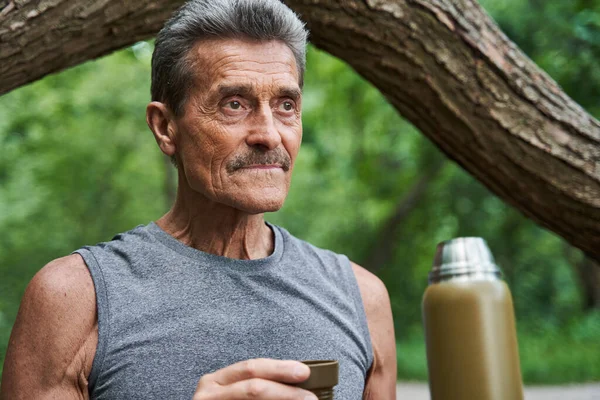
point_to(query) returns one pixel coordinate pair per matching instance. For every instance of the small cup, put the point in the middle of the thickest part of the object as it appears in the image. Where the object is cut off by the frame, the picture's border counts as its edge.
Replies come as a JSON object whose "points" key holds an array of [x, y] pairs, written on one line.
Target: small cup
{"points": [[324, 375]]}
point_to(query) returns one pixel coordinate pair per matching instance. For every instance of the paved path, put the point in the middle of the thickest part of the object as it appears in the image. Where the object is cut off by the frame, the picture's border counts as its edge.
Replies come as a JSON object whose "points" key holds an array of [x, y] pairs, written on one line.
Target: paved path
{"points": [[420, 391]]}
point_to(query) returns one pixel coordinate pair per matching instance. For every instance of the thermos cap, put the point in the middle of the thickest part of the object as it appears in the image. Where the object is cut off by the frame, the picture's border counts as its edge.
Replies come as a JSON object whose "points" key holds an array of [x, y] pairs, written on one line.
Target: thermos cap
{"points": [[467, 258], [323, 377]]}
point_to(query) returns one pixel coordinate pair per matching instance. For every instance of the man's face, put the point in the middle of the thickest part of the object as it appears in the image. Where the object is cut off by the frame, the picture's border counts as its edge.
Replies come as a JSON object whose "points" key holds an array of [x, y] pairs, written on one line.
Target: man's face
{"points": [[241, 130]]}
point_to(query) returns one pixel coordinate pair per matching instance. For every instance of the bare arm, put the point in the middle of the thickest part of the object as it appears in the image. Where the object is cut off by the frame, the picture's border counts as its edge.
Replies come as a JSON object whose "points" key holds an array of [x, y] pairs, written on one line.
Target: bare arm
{"points": [[381, 378], [54, 338], [52, 346]]}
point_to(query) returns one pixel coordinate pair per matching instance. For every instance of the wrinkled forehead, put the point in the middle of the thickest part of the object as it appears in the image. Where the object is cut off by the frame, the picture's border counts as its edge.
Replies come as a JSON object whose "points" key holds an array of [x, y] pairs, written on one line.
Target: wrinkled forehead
{"points": [[241, 62]]}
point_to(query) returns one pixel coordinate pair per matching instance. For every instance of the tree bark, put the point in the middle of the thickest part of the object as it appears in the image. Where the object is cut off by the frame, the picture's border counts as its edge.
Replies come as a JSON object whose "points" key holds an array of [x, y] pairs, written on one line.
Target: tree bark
{"points": [[38, 37], [443, 64]]}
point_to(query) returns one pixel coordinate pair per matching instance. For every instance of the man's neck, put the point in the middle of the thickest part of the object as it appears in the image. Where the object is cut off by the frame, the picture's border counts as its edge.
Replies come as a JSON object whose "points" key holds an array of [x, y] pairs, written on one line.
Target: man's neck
{"points": [[216, 228]]}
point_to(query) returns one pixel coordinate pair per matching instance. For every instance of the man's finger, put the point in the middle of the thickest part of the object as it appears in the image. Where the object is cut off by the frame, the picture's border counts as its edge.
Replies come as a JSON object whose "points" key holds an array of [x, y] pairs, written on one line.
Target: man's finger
{"points": [[287, 371], [265, 390]]}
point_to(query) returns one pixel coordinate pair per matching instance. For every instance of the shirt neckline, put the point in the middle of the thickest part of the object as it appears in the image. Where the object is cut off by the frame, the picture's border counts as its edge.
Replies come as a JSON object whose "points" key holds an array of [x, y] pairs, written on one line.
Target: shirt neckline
{"points": [[217, 261]]}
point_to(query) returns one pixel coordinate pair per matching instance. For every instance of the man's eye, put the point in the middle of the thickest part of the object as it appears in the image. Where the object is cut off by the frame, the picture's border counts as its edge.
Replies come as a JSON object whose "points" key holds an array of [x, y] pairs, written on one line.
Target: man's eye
{"points": [[287, 106], [234, 105]]}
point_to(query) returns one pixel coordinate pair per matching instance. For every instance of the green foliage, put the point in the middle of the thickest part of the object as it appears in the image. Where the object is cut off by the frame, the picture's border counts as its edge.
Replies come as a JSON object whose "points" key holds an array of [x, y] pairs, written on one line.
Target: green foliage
{"points": [[548, 354], [562, 354], [78, 165]]}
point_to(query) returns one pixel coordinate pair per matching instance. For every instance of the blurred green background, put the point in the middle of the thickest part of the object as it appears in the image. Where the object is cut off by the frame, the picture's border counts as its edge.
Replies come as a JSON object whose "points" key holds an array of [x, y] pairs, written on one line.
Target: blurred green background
{"points": [[78, 165]]}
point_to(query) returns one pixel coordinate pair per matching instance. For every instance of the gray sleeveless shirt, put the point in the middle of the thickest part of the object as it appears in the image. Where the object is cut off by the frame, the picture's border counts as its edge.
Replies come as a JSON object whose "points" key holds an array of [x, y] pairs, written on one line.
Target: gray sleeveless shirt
{"points": [[168, 313]]}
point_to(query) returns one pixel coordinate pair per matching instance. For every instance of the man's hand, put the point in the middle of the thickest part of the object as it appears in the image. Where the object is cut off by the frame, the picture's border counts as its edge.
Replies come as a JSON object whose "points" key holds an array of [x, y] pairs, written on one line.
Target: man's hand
{"points": [[260, 378]]}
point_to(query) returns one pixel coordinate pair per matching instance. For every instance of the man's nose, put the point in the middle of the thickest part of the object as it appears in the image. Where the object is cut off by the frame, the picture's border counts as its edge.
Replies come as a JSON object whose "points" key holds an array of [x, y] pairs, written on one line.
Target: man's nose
{"points": [[263, 132]]}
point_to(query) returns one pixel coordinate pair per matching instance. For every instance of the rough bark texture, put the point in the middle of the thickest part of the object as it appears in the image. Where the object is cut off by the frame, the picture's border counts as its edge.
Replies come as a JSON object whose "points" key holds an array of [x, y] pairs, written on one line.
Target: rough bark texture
{"points": [[38, 37], [448, 69], [443, 64]]}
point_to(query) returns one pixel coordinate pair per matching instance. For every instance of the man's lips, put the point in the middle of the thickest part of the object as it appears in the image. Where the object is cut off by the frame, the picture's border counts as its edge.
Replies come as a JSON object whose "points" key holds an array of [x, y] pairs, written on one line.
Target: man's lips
{"points": [[263, 166]]}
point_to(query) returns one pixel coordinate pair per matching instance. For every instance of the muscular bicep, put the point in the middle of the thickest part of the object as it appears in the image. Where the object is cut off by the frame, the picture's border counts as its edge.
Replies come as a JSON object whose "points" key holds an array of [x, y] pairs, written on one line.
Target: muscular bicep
{"points": [[53, 341], [381, 378]]}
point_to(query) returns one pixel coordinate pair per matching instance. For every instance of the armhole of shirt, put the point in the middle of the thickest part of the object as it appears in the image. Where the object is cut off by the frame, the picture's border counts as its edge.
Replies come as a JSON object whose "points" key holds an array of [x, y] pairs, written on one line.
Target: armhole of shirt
{"points": [[102, 307], [361, 315]]}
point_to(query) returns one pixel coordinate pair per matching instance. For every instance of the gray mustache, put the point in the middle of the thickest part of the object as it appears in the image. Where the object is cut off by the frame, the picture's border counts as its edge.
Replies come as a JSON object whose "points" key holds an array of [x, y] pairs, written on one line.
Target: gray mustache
{"points": [[257, 157]]}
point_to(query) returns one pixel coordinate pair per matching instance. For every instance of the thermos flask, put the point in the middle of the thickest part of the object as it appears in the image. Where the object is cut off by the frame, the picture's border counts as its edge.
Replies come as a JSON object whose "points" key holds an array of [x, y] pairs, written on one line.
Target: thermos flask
{"points": [[469, 323]]}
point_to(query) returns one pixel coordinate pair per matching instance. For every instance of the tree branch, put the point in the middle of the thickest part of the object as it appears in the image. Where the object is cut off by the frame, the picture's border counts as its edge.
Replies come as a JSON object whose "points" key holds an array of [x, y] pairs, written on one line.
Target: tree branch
{"points": [[444, 65], [447, 68]]}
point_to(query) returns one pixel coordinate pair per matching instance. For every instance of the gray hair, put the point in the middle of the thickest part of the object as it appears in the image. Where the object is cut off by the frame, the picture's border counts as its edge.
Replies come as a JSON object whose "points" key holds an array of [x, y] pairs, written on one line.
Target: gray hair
{"points": [[261, 20]]}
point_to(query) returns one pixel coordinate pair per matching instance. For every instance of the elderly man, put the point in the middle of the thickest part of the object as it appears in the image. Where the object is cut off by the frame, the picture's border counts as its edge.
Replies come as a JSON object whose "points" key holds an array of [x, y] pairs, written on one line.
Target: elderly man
{"points": [[209, 301]]}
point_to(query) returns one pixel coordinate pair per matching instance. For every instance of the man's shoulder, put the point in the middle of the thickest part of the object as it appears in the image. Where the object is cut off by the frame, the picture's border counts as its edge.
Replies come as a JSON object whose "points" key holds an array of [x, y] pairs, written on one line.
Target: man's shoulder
{"points": [[64, 285], [62, 292], [64, 269], [306, 247], [125, 239], [372, 289], [126, 244], [55, 333]]}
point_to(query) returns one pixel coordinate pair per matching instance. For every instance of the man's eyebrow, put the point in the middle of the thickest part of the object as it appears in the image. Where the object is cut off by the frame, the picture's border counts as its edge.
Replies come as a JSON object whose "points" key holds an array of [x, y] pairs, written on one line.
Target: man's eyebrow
{"points": [[291, 92], [246, 90], [232, 90]]}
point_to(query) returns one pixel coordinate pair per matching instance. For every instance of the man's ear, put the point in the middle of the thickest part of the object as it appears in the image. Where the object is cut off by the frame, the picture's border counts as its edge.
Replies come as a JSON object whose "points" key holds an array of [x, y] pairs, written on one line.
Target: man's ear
{"points": [[161, 122]]}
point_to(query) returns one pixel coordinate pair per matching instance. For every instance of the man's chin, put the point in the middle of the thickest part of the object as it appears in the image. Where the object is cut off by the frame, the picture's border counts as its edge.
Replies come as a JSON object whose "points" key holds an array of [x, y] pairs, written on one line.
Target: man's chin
{"points": [[256, 211], [258, 205]]}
